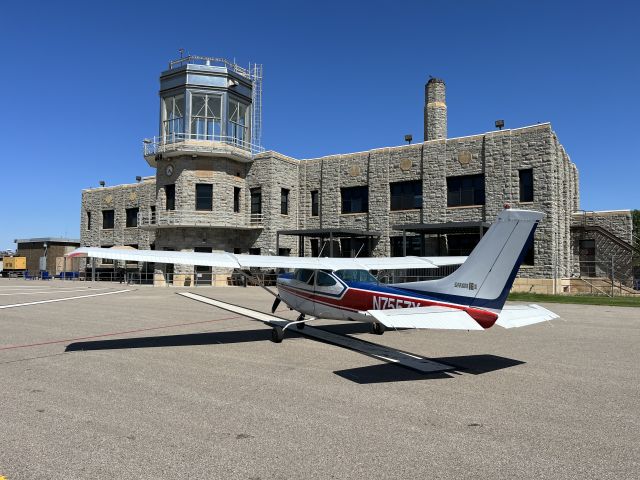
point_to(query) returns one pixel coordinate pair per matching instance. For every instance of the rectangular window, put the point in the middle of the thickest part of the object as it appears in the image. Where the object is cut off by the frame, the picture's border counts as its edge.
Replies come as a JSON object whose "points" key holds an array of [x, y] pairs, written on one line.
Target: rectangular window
{"points": [[284, 201], [355, 199], [284, 252], [173, 118], [414, 246], [526, 185], [406, 195], [170, 192], [254, 251], [106, 261], [529, 258], [462, 244], [204, 196], [315, 205], [236, 199], [152, 211], [107, 219], [466, 190], [206, 117], [256, 201], [88, 220], [132, 217]]}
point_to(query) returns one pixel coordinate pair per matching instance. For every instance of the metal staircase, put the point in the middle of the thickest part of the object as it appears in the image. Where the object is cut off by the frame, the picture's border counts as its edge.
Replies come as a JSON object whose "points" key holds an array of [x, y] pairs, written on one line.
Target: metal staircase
{"points": [[614, 255]]}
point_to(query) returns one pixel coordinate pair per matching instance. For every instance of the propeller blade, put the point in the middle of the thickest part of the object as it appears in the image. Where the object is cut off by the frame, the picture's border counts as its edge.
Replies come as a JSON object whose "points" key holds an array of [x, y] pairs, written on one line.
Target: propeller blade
{"points": [[276, 302]]}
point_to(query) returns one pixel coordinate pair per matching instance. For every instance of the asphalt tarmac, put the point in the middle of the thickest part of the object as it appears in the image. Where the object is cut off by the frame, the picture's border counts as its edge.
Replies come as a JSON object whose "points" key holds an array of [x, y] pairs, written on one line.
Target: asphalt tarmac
{"points": [[146, 384]]}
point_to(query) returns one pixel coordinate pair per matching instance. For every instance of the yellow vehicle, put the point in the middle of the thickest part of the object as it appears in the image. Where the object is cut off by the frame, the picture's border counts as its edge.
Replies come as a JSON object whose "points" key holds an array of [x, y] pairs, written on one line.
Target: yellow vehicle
{"points": [[13, 264]]}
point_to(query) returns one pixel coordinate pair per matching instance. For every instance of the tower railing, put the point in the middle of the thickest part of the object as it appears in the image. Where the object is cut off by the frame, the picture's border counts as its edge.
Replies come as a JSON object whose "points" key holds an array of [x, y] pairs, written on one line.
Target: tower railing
{"points": [[159, 144]]}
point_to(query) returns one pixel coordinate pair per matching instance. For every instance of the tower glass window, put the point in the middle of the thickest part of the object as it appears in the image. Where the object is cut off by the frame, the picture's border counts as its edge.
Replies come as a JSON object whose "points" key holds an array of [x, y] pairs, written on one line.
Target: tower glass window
{"points": [[132, 217], [406, 195], [284, 201], [204, 196], [238, 122], [206, 117], [170, 192], [315, 205], [88, 220], [173, 118], [355, 199], [466, 190], [526, 185]]}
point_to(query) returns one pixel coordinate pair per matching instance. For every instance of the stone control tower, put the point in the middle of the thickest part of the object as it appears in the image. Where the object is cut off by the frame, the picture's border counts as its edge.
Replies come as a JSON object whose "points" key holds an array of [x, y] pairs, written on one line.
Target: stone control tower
{"points": [[435, 110]]}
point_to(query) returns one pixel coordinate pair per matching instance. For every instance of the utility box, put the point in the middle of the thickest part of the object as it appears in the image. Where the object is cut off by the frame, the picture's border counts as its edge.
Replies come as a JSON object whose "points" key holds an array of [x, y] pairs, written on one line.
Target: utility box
{"points": [[14, 263]]}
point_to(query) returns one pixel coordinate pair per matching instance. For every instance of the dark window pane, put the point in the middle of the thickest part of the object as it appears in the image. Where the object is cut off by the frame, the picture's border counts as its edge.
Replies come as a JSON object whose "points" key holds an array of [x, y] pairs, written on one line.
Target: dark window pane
{"points": [[526, 185], [88, 220], [284, 201], [254, 251], [204, 196], [132, 217], [465, 190], [170, 192], [414, 246], [315, 210], [406, 195], [107, 219], [236, 199], [256, 200], [355, 199]]}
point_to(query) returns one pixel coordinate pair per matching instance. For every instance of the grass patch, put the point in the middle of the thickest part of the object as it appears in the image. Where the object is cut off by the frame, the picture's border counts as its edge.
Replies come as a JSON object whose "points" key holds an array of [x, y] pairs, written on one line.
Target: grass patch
{"points": [[578, 299]]}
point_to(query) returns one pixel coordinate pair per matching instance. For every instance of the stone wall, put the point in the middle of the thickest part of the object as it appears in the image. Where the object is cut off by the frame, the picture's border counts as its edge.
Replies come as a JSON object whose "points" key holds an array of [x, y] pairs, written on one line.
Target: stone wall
{"points": [[499, 155]]}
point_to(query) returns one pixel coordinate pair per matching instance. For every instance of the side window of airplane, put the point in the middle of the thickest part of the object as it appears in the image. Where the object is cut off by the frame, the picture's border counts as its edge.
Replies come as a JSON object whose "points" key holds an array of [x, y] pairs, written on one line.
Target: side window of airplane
{"points": [[304, 275], [324, 280]]}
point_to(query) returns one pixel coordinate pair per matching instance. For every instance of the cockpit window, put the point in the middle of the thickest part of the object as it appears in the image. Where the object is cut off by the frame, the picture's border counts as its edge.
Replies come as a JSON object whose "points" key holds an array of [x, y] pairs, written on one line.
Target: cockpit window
{"points": [[325, 280], [303, 275], [356, 276]]}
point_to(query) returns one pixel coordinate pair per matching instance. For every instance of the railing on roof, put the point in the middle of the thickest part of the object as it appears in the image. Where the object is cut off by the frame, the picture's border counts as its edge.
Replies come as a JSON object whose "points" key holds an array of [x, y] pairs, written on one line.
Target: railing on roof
{"points": [[155, 145], [210, 61]]}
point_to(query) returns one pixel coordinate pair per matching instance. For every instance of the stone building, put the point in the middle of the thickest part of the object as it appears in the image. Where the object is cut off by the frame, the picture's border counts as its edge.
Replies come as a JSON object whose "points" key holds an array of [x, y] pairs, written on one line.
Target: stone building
{"points": [[216, 189]]}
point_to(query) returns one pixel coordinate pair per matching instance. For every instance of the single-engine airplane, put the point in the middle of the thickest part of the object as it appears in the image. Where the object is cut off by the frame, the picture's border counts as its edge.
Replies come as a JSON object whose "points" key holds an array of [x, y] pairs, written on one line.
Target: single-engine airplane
{"points": [[471, 298]]}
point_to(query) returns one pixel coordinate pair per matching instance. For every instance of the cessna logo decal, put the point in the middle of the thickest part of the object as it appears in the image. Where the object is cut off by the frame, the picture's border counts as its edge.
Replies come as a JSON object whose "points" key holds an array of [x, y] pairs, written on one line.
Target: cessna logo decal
{"points": [[466, 286], [384, 303]]}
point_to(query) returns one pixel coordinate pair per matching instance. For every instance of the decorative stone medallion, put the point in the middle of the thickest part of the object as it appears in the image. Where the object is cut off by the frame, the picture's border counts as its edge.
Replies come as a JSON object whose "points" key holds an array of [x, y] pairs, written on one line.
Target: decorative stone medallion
{"points": [[464, 158], [108, 199], [354, 170], [168, 171], [133, 196], [406, 164]]}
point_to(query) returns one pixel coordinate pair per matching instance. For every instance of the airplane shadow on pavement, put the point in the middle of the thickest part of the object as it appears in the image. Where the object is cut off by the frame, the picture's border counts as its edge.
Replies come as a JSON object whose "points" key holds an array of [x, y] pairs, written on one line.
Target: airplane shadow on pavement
{"points": [[469, 364], [379, 373]]}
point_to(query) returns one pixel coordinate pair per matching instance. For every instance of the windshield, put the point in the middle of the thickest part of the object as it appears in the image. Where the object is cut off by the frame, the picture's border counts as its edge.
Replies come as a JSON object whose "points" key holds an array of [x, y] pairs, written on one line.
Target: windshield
{"points": [[356, 276]]}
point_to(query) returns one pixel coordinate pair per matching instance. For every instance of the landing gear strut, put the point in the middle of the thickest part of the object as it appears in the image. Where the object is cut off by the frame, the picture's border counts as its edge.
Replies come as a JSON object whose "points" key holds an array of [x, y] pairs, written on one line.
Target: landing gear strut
{"points": [[300, 319], [377, 328]]}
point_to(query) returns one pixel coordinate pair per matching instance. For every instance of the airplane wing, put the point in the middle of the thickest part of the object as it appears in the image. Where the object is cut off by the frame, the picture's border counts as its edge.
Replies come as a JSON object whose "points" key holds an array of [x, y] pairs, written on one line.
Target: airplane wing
{"points": [[445, 318], [230, 260], [434, 317], [513, 316]]}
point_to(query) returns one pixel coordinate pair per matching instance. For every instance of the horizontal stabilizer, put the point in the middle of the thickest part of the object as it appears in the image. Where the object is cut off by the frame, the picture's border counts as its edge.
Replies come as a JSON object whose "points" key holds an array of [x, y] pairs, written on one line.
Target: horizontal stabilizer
{"points": [[434, 317], [513, 316]]}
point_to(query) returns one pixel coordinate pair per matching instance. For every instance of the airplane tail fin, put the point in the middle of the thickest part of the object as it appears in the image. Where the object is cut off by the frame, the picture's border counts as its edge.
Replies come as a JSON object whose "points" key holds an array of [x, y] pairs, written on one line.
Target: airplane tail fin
{"points": [[485, 278]]}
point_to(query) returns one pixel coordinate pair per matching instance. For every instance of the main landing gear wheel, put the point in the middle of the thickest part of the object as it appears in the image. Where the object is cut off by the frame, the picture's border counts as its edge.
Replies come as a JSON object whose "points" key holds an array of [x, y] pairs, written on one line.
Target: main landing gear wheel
{"points": [[377, 328], [277, 335]]}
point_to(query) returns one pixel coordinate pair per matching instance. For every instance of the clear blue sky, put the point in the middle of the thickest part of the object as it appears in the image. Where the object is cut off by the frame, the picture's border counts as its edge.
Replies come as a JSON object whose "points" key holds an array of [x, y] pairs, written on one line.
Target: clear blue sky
{"points": [[80, 80]]}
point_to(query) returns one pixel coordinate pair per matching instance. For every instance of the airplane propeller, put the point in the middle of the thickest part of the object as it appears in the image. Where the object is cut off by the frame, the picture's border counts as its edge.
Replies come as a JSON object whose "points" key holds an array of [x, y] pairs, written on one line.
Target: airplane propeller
{"points": [[276, 302]]}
